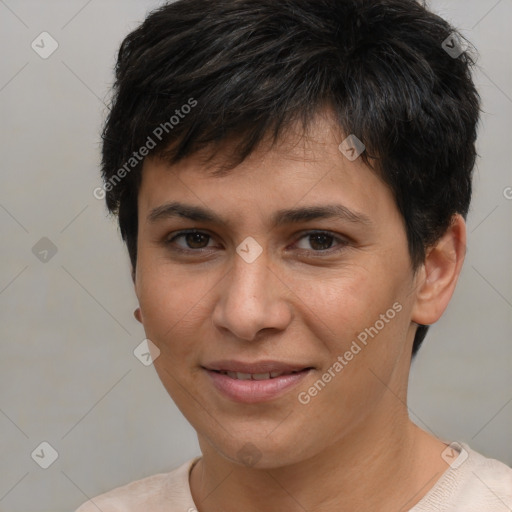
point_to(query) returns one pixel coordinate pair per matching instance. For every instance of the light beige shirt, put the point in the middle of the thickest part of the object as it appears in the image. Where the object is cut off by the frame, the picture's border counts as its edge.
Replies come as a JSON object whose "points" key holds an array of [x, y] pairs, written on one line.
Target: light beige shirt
{"points": [[472, 483]]}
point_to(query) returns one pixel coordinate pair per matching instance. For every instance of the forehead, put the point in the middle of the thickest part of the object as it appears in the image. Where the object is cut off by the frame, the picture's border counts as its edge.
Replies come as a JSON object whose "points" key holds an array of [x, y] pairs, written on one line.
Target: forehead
{"points": [[303, 169]]}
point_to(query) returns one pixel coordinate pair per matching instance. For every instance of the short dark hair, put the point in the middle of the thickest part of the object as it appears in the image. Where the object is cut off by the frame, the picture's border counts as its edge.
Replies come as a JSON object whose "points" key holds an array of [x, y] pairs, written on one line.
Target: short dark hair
{"points": [[198, 73]]}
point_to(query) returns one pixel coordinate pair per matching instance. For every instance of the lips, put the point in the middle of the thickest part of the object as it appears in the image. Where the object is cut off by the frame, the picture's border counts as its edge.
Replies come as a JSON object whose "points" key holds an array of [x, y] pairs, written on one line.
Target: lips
{"points": [[255, 368], [255, 382], [254, 376]]}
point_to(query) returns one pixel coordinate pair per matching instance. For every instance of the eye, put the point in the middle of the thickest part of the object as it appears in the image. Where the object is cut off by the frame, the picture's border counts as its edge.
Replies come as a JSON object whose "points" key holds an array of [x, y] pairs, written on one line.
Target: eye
{"points": [[194, 240], [322, 241]]}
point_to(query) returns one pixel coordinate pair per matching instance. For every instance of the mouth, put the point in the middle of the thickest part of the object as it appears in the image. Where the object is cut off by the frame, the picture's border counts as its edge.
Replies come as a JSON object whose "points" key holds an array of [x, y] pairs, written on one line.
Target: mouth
{"points": [[257, 376], [255, 382]]}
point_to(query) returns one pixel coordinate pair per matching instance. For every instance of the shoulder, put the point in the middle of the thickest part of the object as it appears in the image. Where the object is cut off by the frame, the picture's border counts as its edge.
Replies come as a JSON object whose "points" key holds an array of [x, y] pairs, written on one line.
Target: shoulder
{"points": [[473, 483], [155, 493], [488, 477], [127, 497]]}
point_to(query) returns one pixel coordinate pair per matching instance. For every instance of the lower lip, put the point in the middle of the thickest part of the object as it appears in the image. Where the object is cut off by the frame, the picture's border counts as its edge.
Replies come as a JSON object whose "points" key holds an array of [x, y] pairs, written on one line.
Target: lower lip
{"points": [[254, 391]]}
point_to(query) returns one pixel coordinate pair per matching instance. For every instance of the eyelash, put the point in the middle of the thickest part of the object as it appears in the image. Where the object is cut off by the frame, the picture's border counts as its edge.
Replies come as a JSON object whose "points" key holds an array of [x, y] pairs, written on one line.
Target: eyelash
{"points": [[341, 241]]}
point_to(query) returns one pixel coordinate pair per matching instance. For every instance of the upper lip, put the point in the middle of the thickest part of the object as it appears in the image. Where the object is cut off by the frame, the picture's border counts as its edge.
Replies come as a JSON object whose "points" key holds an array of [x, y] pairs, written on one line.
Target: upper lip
{"points": [[255, 367]]}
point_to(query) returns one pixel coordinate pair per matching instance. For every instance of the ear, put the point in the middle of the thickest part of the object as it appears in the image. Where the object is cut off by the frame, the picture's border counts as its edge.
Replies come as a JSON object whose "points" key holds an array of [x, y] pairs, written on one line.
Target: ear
{"points": [[137, 314], [436, 280]]}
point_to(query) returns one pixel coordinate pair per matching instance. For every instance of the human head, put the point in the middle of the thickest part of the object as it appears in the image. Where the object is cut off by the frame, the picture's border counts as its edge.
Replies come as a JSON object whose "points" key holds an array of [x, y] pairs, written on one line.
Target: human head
{"points": [[198, 74]]}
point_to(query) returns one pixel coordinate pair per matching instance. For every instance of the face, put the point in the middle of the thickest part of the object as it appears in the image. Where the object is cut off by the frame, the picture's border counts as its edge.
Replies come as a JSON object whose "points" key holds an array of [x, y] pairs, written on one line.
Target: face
{"points": [[296, 280]]}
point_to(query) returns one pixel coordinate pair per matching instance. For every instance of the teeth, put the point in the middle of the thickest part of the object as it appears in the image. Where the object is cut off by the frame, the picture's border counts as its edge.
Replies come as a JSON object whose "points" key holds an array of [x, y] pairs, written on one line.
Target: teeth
{"points": [[254, 376], [260, 376]]}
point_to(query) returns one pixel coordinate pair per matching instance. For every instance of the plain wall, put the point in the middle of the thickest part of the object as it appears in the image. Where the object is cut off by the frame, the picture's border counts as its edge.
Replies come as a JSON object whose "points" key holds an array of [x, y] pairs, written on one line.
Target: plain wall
{"points": [[68, 375]]}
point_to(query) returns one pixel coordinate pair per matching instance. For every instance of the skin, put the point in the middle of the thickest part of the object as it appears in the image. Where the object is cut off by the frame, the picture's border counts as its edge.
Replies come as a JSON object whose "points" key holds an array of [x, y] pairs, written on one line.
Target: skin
{"points": [[353, 445]]}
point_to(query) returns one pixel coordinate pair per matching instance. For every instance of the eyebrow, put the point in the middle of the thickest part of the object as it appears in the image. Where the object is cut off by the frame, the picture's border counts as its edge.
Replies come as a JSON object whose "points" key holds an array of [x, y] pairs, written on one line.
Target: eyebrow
{"points": [[287, 216]]}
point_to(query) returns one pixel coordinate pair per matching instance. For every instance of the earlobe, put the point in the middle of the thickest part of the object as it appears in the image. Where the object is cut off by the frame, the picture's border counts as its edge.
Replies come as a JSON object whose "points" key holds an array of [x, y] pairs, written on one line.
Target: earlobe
{"points": [[438, 277], [137, 313]]}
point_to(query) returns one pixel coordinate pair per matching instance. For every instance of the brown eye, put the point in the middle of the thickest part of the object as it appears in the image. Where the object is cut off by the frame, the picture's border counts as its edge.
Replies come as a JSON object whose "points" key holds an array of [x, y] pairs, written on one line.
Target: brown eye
{"points": [[321, 241], [194, 240]]}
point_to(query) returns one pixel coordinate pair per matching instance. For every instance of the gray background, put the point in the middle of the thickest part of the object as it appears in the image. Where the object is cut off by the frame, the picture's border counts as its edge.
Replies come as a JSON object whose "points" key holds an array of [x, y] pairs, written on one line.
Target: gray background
{"points": [[68, 375]]}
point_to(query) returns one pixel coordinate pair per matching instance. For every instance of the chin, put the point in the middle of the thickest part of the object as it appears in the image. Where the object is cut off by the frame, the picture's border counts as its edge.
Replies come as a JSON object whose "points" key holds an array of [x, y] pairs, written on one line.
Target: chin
{"points": [[259, 451]]}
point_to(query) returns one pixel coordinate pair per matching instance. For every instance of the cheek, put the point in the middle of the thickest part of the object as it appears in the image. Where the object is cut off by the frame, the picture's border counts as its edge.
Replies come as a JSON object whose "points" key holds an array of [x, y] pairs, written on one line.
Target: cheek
{"points": [[166, 291], [362, 318], [172, 306], [339, 305], [171, 303], [358, 369]]}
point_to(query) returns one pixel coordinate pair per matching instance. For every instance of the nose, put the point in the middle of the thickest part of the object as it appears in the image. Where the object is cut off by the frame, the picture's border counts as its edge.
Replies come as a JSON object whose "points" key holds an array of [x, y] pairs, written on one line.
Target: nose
{"points": [[252, 298]]}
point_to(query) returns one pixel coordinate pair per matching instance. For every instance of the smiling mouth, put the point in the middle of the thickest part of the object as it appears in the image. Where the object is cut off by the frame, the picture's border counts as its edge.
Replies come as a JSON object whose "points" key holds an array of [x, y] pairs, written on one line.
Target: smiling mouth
{"points": [[252, 388], [258, 376]]}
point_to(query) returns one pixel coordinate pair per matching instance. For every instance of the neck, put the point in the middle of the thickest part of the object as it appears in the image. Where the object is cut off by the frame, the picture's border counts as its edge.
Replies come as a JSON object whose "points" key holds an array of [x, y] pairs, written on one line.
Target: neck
{"points": [[382, 465]]}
